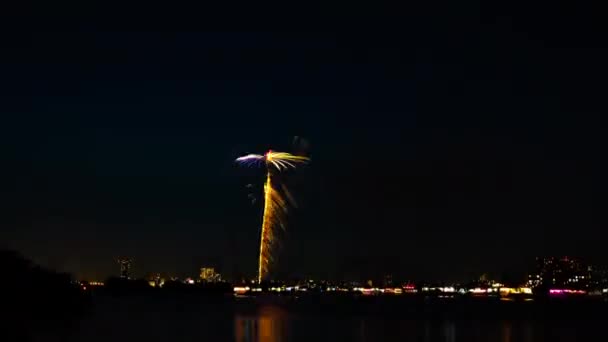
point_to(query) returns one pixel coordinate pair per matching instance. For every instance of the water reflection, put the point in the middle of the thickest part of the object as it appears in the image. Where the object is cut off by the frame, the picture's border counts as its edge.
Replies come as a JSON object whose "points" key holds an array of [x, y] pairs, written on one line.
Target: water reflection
{"points": [[449, 331], [268, 325], [528, 332], [506, 331], [427, 331], [362, 330], [275, 324]]}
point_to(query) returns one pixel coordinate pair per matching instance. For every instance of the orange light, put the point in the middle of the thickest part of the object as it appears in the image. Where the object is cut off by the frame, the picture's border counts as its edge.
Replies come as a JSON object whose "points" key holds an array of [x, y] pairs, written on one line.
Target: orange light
{"points": [[240, 289]]}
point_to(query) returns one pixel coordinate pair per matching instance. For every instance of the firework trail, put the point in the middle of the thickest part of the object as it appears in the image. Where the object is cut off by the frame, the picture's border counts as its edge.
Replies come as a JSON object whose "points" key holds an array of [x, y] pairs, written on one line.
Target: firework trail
{"points": [[275, 205]]}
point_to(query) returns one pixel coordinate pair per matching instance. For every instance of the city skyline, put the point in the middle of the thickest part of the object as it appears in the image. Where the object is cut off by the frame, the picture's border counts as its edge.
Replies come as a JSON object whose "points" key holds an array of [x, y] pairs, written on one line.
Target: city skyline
{"points": [[546, 271]]}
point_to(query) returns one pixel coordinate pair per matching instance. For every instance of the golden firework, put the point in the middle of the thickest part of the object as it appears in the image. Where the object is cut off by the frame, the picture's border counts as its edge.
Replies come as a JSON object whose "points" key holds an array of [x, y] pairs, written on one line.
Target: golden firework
{"points": [[275, 206]]}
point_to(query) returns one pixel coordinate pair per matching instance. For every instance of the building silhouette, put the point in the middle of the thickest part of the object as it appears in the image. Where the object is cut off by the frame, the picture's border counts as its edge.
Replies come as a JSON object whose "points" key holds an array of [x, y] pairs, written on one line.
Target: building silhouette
{"points": [[388, 280], [125, 267]]}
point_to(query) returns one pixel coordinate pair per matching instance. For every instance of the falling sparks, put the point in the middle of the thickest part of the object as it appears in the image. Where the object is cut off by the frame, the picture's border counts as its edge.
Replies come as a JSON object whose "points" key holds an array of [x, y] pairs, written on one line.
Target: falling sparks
{"points": [[275, 205]]}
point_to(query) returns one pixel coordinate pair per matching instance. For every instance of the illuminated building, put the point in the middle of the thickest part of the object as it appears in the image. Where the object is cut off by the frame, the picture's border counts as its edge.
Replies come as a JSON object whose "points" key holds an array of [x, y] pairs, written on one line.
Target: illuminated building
{"points": [[534, 280], [209, 275], [155, 280], [562, 272], [125, 267]]}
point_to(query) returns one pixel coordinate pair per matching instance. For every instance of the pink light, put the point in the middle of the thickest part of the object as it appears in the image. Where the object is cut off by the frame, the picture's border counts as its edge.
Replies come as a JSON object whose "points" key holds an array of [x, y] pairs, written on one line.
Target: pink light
{"points": [[478, 290], [562, 291]]}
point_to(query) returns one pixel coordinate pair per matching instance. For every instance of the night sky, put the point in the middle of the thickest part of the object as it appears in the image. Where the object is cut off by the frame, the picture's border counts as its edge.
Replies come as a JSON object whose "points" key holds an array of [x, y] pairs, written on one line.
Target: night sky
{"points": [[445, 142]]}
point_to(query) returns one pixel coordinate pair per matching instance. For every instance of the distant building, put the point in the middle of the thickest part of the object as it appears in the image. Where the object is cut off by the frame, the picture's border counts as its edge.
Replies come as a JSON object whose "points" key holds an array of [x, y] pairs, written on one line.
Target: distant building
{"points": [[599, 277], [209, 275], [388, 280], [560, 272], [125, 267], [485, 281], [155, 279]]}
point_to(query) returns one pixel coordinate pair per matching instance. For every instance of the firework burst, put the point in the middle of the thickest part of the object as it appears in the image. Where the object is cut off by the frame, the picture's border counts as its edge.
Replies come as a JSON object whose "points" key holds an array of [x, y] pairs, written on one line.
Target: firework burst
{"points": [[276, 201]]}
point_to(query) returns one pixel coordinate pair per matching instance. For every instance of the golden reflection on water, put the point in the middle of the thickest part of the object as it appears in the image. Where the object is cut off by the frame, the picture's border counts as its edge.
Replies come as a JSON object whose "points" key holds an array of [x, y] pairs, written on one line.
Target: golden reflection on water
{"points": [[268, 325]]}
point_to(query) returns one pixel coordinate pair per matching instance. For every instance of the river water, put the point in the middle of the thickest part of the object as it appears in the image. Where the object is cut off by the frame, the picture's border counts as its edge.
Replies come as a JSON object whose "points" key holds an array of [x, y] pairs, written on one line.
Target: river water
{"points": [[170, 319]]}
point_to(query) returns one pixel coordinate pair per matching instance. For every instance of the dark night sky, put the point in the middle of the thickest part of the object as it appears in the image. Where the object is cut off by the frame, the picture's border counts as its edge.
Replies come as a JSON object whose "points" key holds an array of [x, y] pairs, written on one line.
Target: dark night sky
{"points": [[446, 142]]}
